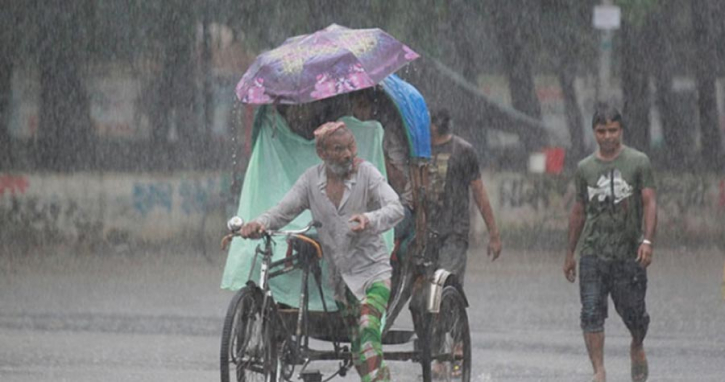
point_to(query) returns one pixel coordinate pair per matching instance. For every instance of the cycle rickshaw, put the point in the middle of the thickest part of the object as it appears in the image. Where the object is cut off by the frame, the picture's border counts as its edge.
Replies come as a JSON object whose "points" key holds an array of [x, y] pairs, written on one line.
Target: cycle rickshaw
{"points": [[278, 307]]}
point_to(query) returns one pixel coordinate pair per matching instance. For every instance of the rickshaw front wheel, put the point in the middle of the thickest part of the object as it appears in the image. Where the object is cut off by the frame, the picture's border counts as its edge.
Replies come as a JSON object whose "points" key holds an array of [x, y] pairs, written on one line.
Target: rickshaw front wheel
{"points": [[248, 346], [450, 339]]}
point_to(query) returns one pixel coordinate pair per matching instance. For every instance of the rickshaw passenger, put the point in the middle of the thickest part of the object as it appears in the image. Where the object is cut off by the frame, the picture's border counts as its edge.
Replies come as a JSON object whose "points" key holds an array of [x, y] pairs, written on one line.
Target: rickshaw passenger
{"points": [[302, 119], [355, 205], [395, 149]]}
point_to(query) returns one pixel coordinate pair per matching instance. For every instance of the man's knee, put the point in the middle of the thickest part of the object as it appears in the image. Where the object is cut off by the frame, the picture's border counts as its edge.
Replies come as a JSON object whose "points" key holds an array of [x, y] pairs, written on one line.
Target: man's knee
{"points": [[594, 308], [629, 300], [592, 320], [593, 294], [638, 323]]}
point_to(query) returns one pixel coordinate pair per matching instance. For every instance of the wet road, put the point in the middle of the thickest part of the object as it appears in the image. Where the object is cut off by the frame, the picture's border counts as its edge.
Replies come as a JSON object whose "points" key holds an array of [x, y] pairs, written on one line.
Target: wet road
{"points": [[157, 315]]}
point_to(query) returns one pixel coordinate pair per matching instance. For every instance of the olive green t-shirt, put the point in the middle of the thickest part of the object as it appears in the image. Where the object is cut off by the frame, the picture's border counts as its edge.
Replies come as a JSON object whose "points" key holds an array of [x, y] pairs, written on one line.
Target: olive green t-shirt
{"points": [[611, 192]]}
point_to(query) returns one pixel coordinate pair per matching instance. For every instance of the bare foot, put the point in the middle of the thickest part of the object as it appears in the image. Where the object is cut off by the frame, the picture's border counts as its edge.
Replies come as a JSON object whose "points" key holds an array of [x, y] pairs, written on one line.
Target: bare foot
{"points": [[640, 368], [600, 377]]}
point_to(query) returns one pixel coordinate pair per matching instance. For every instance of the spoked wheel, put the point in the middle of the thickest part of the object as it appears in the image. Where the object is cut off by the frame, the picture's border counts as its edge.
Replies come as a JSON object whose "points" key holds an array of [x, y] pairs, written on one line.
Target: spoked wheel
{"points": [[248, 351], [286, 360], [450, 341]]}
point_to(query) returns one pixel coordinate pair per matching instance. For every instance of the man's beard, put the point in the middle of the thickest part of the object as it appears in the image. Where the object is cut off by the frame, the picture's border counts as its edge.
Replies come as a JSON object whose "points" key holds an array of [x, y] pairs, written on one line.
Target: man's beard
{"points": [[339, 169]]}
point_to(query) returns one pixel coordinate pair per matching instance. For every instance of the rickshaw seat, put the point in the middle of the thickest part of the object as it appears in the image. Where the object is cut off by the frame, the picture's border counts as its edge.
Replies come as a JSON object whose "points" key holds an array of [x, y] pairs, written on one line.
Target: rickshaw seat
{"points": [[306, 245]]}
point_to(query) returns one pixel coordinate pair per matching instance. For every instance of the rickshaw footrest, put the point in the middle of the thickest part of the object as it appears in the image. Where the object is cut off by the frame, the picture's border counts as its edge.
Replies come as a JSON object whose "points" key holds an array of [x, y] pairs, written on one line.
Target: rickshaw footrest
{"points": [[311, 376]]}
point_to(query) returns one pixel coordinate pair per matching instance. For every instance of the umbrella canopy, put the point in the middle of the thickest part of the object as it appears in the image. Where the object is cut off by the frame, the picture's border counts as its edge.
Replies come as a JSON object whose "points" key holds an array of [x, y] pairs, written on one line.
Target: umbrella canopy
{"points": [[329, 62]]}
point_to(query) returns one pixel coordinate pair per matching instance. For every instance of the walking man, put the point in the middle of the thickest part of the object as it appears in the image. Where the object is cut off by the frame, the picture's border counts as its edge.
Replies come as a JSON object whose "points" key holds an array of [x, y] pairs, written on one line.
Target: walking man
{"points": [[454, 170], [453, 173], [615, 195]]}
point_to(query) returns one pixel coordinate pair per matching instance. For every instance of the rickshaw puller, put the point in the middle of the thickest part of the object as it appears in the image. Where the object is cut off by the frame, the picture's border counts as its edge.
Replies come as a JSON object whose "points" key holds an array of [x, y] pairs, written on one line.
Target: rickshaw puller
{"points": [[355, 205]]}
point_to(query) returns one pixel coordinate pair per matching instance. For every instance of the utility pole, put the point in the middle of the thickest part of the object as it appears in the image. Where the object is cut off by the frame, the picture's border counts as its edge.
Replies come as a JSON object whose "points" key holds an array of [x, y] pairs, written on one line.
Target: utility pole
{"points": [[607, 18]]}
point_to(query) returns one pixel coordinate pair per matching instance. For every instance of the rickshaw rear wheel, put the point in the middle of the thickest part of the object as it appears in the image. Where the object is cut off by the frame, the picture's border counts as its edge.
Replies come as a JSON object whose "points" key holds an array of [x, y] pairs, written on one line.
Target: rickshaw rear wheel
{"points": [[286, 361], [449, 343], [248, 346]]}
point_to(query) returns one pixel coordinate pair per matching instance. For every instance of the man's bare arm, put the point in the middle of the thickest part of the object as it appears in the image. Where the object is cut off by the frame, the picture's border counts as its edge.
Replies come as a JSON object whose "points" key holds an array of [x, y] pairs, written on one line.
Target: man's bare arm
{"points": [[480, 196], [576, 225], [649, 201]]}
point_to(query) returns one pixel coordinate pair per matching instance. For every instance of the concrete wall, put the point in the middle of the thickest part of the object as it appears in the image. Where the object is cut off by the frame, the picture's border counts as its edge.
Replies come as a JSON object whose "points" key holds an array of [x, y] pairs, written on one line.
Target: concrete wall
{"points": [[161, 207], [532, 206], [109, 206]]}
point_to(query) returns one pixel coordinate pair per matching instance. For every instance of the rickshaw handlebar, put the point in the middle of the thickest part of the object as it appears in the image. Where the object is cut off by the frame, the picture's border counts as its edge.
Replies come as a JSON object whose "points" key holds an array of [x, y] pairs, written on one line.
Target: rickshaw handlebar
{"points": [[305, 229], [235, 225]]}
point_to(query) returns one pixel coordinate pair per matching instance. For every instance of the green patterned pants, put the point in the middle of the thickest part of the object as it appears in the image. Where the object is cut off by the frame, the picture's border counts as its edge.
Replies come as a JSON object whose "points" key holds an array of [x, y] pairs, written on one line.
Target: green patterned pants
{"points": [[363, 319]]}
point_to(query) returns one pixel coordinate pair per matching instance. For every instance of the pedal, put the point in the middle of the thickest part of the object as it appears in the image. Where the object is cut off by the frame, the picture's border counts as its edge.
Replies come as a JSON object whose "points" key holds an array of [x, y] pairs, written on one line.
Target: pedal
{"points": [[311, 376]]}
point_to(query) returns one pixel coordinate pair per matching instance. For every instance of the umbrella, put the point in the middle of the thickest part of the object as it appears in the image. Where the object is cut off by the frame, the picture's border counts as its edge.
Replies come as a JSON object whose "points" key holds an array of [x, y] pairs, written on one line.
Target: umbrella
{"points": [[329, 62]]}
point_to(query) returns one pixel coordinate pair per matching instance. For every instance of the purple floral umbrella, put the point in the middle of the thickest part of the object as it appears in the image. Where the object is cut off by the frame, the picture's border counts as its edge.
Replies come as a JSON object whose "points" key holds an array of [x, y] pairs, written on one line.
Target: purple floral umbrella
{"points": [[332, 61]]}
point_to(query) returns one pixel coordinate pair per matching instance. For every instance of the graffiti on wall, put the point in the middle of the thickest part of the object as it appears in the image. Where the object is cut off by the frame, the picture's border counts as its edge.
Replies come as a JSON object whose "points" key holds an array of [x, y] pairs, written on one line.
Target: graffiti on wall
{"points": [[194, 196], [677, 196], [46, 219], [674, 194], [51, 211], [537, 193], [691, 204], [152, 195]]}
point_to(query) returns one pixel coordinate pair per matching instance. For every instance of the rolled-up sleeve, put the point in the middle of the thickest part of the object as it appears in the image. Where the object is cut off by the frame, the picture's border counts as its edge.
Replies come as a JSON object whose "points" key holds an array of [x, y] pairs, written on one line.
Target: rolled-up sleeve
{"points": [[295, 201], [391, 210]]}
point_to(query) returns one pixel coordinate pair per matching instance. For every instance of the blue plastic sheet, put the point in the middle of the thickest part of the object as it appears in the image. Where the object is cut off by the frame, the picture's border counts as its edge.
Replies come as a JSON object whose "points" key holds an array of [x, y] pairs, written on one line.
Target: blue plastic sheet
{"points": [[413, 109]]}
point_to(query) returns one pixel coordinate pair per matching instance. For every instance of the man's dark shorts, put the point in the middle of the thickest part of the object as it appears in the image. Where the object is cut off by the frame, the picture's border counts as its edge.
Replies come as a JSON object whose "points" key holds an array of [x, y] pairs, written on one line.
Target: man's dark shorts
{"points": [[452, 256], [625, 281]]}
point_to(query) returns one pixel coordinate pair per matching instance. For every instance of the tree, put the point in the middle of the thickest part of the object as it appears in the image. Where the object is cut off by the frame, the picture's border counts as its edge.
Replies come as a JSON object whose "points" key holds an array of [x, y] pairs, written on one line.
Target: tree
{"points": [[66, 133], [173, 91], [8, 42], [514, 30], [460, 23], [635, 87], [567, 42], [463, 43], [676, 129], [703, 21], [635, 80]]}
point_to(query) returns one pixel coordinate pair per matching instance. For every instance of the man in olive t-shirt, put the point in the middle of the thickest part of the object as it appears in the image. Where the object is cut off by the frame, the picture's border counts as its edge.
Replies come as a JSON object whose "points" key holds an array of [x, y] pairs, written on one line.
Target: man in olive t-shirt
{"points": [[611, 193], [615, 191]]}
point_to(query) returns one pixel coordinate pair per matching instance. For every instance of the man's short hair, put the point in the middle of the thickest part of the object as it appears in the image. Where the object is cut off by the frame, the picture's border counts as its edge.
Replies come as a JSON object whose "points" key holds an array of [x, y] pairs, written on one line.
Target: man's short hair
{"points": [[604, 112], [442, 119]]}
